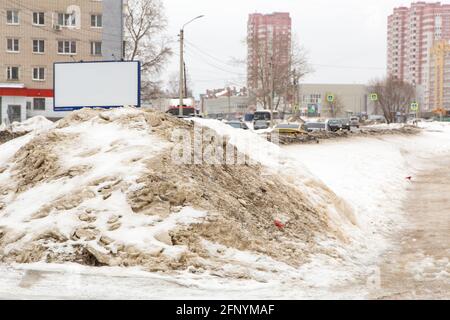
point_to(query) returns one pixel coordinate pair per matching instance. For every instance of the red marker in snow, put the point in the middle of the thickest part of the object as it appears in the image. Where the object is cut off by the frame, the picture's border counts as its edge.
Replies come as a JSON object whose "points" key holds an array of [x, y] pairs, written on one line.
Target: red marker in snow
{"points": [[409, 178], [279, 224]]}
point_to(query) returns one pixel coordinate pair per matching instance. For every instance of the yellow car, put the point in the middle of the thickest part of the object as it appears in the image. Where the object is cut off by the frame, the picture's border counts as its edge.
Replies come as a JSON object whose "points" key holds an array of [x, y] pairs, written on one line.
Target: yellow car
{"points": [[290, 128]]}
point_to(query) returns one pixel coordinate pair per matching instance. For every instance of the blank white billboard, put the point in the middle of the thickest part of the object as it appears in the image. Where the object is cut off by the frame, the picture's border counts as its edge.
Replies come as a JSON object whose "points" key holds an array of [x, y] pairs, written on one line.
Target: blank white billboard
{"points": [[103, 84]]}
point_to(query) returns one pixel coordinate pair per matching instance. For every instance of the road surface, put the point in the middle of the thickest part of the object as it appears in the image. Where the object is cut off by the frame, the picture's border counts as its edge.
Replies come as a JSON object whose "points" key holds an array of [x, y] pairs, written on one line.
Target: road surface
{"points": [[420, 266]]}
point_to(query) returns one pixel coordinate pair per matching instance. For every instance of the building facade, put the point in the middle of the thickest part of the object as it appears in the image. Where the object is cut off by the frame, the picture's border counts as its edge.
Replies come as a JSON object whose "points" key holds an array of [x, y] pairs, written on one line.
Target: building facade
{"points": [[348, 99], [226, 103], [412, 33], [268, 44], [34, 34]]}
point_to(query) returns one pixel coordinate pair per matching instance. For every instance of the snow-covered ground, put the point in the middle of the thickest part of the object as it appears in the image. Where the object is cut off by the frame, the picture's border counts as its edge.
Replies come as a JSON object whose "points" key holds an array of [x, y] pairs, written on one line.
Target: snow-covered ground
{"points": [[368, 173]]}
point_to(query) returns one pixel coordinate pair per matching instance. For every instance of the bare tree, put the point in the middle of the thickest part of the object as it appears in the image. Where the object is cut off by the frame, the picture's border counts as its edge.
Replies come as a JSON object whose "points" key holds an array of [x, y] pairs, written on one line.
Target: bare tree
{"points": [[394, 96], [145, 24], [173, 83], [275, 78]]}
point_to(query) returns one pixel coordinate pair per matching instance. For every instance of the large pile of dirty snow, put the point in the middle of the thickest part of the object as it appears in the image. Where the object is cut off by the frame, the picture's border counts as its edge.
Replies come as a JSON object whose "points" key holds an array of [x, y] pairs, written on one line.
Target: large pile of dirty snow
{"points": [[100, 188], [17, 129], [37, 123]]}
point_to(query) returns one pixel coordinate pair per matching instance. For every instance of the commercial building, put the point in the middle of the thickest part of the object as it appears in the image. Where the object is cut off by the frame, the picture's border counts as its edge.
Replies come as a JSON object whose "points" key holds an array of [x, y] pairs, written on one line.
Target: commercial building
{"points": [[269, 44], [36, 33], [347, 99], [227, 103], [412, 33]]}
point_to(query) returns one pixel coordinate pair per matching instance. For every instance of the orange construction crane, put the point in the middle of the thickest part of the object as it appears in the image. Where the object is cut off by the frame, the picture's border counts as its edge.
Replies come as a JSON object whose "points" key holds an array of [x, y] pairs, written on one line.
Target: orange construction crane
{"points": [[439, 52]]}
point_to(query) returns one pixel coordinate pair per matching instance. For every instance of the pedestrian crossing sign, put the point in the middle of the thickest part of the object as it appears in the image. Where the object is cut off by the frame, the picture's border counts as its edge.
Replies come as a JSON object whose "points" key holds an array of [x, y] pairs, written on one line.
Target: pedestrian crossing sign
{"points": [[414, 106], [373, 97], [330, 97]]}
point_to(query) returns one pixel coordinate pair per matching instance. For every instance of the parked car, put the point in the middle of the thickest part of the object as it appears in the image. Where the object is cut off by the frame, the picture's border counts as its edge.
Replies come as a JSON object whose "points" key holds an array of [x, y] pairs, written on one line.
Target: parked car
{"points": [[289, 128], [345, 123], [334, 125], [261, 124], [354, 122], [315, 126], [238, 125]]}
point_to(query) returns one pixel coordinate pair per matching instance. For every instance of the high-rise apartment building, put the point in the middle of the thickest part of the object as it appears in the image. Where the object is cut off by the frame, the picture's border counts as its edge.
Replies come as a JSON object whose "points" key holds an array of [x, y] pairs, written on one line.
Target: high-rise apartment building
{"points": [[269, 43], [36, 33], [412, 33]]}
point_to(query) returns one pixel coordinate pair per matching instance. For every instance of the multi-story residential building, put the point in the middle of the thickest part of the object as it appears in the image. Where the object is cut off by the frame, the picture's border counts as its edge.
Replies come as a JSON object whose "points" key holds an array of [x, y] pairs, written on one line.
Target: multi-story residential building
{"points": [[36, 33], [412, 32], [269, 44]]}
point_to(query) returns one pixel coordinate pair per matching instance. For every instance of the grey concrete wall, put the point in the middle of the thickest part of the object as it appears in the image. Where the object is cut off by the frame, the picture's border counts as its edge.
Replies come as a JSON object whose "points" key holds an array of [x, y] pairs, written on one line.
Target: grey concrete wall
{"points": [[112, 38]]}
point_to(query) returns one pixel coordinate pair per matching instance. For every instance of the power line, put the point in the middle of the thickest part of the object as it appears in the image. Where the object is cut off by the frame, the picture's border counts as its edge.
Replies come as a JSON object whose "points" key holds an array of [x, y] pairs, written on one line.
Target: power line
{"points": [[190, 44], [347, 67], [215, 66]]}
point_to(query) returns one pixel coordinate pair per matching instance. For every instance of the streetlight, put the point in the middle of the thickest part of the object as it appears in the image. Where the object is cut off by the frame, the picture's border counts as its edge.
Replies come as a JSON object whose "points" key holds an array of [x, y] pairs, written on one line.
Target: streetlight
{"points": [[180, 107]]}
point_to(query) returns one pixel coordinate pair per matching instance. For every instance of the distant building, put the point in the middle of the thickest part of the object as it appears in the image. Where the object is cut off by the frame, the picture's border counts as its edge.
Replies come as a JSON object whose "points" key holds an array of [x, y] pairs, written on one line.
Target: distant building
{"points": [[412, 33], [269, 41], [349, 99], [227, 103], [36, 33]]}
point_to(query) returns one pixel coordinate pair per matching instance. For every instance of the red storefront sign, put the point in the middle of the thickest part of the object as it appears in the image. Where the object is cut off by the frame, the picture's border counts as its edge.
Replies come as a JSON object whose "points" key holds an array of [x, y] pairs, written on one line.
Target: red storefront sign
{"points": [[25, 92]]}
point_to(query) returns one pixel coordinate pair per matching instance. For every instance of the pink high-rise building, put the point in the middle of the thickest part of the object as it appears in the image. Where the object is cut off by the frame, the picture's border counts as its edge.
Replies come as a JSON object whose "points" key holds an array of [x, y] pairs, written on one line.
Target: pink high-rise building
{"points": [[412, 32], [269, 41]]}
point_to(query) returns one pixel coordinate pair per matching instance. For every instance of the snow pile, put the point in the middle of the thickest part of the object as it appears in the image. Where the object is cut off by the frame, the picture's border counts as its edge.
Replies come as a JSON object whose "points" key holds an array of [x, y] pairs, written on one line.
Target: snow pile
{"points": [[100, 188], [17, 129], [38, 123]]}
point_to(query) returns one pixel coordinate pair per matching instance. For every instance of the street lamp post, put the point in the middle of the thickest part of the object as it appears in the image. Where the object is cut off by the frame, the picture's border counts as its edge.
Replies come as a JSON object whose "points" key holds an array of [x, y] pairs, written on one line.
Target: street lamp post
{"points": [[181, 86]]}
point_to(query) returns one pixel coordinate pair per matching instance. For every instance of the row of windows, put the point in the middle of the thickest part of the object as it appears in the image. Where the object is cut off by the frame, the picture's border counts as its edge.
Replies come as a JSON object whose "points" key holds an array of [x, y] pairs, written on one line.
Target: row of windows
{"points": [[63, 19], [64, 46], [13, 73]]}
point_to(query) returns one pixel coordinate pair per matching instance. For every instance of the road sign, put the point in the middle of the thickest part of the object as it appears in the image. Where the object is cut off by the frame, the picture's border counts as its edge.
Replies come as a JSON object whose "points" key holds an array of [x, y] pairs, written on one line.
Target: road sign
{"points": [[414, 106], [373, 97], [330, 97]]}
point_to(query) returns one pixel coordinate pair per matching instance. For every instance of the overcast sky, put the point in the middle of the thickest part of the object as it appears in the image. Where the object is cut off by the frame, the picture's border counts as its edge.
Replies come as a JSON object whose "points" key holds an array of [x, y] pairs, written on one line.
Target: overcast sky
{"points": [[345, 39]]}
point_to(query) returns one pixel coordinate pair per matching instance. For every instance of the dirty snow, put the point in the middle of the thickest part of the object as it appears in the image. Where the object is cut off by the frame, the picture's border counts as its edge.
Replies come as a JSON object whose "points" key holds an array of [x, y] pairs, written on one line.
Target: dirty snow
{"points": [[37, 123], [373, 188]]}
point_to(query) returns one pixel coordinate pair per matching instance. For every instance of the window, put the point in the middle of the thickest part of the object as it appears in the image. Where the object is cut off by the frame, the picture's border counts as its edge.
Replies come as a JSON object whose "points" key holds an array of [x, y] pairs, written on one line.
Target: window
{"points": [[66, 19], [12, 73], [67, 47], [12, 17], [12, 45], [39, 104], [39, 74], [39, 18], [96, 48], [38, 46], [96, 20]]}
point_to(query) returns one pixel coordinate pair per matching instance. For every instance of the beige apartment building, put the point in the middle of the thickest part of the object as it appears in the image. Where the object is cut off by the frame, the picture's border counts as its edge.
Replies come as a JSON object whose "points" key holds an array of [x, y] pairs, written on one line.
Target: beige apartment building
{"points": [[34, 34], [350, 99]]}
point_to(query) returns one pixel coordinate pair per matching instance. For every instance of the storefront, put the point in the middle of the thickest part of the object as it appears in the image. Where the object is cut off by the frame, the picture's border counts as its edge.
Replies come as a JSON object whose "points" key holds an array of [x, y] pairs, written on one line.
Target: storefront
{"points": [[18, 103]]}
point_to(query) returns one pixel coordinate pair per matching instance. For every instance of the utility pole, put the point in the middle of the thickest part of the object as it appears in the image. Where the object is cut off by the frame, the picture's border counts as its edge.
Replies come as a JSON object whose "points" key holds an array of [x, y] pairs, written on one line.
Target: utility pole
{"points": [[272, 90], [229, 103], [181, 85], [185, 82]]}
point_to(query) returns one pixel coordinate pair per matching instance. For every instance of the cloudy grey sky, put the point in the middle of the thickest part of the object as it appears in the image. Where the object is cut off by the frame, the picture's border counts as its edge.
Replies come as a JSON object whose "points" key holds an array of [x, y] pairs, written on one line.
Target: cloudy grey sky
{"points": [[345, 39]]}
